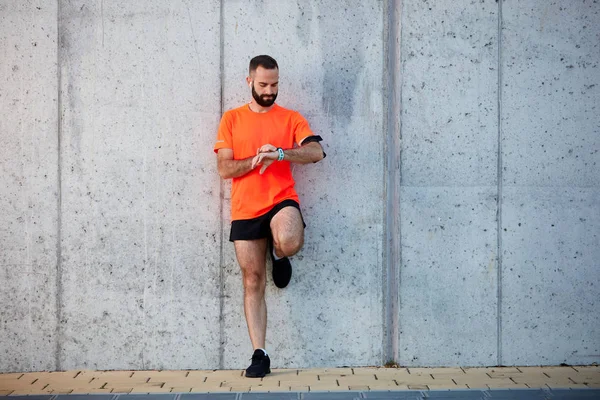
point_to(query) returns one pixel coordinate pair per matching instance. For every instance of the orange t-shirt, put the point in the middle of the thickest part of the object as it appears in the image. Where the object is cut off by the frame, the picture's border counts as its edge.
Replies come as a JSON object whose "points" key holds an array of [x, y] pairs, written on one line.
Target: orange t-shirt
{"points": [[244, 131]]}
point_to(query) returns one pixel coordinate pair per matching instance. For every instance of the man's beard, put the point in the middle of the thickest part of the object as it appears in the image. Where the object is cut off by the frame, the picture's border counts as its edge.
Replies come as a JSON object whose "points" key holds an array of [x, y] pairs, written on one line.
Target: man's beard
{"points": [[263, 100]]}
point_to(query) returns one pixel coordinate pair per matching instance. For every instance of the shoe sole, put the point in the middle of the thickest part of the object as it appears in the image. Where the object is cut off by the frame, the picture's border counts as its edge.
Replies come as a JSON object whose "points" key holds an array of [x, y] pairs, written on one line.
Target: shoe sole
{"points": [[259, 376]]}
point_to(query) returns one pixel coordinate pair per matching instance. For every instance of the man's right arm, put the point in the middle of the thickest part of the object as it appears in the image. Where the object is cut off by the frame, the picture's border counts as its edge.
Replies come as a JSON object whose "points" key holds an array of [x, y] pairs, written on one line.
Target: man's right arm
{"points": [[229, 168]]}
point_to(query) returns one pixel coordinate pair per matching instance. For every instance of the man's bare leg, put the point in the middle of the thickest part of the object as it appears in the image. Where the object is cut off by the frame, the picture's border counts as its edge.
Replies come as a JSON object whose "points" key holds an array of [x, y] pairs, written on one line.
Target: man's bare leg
{"points": [[288, 232], [251, 257]]}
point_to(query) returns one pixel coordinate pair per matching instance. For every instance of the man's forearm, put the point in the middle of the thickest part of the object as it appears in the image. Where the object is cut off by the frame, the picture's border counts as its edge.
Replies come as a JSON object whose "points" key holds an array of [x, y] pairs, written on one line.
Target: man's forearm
{"points": [[234, 168], [309, 153]]}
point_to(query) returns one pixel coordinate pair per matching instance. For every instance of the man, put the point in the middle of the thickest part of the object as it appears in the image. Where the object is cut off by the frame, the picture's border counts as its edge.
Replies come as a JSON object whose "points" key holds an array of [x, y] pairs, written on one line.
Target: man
{"points": [[255, 145]]}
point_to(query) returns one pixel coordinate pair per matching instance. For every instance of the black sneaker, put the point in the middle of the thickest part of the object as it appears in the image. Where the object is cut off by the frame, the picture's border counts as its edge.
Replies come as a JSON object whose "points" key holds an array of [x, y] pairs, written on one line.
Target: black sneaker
{"points": [[261, 365], [282, 269]]}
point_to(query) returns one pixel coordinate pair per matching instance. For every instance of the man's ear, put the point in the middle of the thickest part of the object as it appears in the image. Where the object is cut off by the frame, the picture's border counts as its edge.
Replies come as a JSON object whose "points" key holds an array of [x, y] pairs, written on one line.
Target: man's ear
{"points": [[249, 81]]}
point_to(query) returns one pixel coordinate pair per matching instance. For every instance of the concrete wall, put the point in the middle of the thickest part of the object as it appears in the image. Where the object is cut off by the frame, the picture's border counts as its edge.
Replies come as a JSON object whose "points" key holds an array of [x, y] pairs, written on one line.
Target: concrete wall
{"points": [[448, 276], [29, 186], [455, 221], [331, 314], [140, 239], [551, 183]]}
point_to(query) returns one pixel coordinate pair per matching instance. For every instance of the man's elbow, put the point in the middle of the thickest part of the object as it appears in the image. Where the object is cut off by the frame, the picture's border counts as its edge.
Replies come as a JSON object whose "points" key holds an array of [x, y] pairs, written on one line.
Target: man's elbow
{"points": [[223, 173], [319, 155]]}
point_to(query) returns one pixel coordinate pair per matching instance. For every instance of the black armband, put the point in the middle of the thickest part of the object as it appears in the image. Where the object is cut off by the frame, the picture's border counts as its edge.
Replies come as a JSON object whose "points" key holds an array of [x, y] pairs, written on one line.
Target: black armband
{"points": [[314, 138]]}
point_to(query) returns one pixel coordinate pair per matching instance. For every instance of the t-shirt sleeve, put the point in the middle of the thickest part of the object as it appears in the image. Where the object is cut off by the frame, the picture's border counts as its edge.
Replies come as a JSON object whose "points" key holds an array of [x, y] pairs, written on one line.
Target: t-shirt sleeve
{"points": [[301, 128], [224, 135]]}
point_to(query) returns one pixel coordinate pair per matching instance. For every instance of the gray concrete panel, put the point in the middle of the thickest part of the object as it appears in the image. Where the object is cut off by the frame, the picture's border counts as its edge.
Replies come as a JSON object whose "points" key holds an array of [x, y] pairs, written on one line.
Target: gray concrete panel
{"points": [[28, 315], [449, 93], [331, 71], [551, 93], [551, 176], [448, 278], [448, 305], [28, 185], [551, 248], [140, 195]]}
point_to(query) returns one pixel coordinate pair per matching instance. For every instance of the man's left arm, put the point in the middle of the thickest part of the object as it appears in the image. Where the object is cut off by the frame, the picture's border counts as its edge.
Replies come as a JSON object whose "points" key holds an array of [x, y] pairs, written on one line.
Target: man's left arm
{"points": [[305, 154], [309, 153]]}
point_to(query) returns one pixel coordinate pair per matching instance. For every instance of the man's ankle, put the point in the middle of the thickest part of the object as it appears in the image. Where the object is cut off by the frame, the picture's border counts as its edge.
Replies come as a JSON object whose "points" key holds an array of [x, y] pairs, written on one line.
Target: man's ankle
{"points": [[275, 255], [263, 350]]}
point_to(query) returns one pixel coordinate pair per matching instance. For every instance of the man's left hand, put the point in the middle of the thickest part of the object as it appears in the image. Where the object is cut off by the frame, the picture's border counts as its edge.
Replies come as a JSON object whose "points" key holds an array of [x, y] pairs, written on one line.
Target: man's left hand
{"points": [[265, 159], [266, 148]]}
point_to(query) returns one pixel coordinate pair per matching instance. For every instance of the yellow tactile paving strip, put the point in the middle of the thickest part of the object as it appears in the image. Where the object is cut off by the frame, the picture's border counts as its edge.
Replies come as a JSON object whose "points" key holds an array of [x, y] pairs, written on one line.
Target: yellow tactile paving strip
{"points": [[303, 380]]}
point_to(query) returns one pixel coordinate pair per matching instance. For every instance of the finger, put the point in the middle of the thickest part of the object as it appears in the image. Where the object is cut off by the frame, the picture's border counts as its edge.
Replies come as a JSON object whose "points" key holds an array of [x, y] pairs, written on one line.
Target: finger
{"points": [[267, 148], [262, 169]]}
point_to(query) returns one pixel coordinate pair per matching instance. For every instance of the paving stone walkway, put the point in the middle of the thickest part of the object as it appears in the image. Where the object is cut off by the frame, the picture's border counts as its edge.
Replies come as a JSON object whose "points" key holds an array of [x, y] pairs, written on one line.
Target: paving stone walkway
{"points": [[306, 384], [500, 394]]}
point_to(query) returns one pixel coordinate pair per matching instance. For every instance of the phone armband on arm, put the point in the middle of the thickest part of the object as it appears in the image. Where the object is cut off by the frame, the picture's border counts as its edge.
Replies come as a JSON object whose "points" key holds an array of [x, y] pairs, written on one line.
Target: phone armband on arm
{"points": [[314, 138]]}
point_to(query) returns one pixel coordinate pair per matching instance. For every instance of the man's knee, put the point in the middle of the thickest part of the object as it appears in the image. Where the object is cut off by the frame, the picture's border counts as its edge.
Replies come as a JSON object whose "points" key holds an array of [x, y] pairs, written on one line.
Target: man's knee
{"points": [[289, 244], [254, 282]]}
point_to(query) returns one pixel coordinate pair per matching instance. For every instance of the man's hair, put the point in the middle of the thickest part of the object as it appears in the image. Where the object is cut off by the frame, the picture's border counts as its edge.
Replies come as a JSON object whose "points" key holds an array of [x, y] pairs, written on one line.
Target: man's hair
{"points": [[267, 62]]}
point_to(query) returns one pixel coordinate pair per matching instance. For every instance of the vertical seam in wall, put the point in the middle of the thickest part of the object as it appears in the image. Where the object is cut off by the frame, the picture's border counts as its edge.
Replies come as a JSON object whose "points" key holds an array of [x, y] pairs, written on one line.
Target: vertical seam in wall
{"points": [[221, 197], [499, 199], [385, 253], [59, 288], [392, 173], [385, 348], [396, 140]]}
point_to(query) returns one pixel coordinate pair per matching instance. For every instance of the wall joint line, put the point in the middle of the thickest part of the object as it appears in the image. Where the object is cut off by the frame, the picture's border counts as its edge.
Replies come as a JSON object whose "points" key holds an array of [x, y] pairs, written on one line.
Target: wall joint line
{"points": [[499, 198], [221, 199], [392, 179], [59, 288]]}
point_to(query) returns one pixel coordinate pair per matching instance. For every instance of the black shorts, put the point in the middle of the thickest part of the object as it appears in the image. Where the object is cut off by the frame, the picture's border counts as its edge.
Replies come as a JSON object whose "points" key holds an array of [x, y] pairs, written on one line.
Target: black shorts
{"points": [[259, 227]]}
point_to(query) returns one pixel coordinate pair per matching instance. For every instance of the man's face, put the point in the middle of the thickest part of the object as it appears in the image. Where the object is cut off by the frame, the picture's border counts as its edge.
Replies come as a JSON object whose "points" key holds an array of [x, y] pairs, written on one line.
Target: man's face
{"points": [[264, 84]]}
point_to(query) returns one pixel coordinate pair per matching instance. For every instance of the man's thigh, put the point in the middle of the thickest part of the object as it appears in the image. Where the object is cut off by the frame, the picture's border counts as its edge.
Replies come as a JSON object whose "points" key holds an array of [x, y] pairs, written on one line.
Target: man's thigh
{"points": [[251, 254], [288, 222]]}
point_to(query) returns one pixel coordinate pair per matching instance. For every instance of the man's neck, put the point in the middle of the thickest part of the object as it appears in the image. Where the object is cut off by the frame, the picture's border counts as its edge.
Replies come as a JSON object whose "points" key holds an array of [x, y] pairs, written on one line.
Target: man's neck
{"points": [[257, 108]]}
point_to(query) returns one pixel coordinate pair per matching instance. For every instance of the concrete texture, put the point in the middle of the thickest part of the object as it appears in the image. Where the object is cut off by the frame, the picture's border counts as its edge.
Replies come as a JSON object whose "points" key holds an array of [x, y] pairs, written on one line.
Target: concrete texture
{"points": [[482, 203], [449, 94], [307, 320], [140, 202], [551, 237], [551, 75], [551, 176], [448, 276], [28, 178]]}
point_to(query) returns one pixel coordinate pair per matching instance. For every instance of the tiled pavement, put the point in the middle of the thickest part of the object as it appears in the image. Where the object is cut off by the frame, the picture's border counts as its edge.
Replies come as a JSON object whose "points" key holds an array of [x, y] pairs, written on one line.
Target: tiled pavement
{"points": [[333, 383]]}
